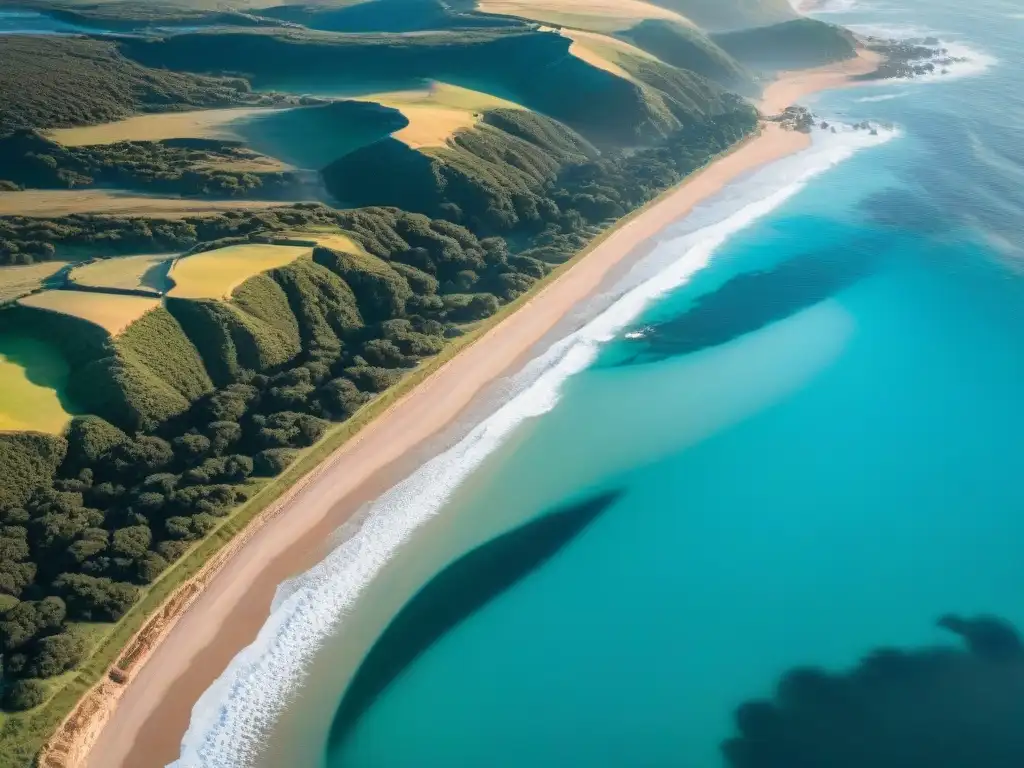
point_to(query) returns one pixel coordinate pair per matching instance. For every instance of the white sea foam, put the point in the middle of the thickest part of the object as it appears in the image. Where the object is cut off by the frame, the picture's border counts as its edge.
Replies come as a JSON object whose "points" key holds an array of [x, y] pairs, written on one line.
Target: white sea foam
{"points": [[974, 62], [229, 720], [817, 7], [883, 97]]}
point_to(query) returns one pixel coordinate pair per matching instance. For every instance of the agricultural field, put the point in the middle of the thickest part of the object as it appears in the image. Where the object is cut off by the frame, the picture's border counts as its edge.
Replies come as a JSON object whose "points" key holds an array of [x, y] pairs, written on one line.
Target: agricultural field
{"points": [[194, 124], [336, 241], [593, 15], [215, 274], [51, 203], [33, 375], [437, 111], [20, 280], [113, 313], [145, 272]]}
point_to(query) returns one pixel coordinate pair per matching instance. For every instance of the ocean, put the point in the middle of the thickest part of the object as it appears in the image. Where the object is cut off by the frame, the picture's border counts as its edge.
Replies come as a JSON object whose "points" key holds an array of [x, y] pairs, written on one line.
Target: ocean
{"points": [[802, 415]]}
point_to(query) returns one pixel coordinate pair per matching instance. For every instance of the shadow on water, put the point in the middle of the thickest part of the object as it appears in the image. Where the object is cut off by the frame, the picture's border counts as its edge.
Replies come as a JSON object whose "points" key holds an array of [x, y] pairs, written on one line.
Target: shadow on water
{"points": [[454, 594], [743, 305], [939, 707]]}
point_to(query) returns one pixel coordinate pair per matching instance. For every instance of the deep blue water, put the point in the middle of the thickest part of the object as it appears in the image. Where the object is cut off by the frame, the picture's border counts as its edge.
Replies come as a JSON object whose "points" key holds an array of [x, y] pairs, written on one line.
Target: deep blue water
{"points": [[818, 440]]}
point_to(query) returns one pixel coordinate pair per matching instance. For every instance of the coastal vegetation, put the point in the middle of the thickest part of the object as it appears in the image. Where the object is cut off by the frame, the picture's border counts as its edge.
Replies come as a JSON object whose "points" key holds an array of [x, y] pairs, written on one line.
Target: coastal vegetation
{"points": [[52, 82], [796, 44], [202, 354], [202, 167]]}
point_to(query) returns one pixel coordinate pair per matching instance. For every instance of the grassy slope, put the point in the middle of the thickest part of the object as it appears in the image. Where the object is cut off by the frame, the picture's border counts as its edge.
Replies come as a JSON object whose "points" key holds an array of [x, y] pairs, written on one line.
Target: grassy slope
{"points": [[690, 49], [215, 274], [150, 372], [111, 313]]}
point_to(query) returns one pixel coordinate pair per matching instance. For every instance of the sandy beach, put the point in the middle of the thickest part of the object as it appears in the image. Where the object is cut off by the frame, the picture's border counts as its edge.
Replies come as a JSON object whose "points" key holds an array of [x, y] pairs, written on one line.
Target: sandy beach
{"points": [[140, 725]]}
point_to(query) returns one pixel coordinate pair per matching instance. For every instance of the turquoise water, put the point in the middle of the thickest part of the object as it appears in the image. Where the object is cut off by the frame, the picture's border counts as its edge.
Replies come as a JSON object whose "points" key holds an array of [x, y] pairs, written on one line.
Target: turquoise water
{"points": [[816, 439], [781, 519]]}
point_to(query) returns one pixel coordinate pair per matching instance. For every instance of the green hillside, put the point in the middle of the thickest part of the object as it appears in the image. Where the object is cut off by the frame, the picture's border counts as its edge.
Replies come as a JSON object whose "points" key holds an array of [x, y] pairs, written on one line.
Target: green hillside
{"points": [[48, 82], [528, 66], [727, 15], [791, 45], [689, 49]]}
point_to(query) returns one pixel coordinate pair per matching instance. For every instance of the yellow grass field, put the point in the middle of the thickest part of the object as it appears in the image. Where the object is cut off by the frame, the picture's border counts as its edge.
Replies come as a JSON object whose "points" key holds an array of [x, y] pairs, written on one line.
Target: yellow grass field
{"points": [[593, 15], [31, 375], [63, 202], [143, 272], [215, 274], [195, 124], [338, 241], [110, 311], [436, 112], [19, 280]]}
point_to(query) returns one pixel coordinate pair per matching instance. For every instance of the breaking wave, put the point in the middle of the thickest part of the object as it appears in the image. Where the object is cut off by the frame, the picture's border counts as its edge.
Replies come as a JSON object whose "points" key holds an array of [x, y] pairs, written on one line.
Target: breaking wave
{"points": [[232, 718]]}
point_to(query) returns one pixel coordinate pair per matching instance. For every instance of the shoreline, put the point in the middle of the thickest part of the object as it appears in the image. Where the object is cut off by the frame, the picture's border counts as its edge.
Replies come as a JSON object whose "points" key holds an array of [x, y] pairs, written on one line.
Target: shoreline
{"points": [[209, 619]]}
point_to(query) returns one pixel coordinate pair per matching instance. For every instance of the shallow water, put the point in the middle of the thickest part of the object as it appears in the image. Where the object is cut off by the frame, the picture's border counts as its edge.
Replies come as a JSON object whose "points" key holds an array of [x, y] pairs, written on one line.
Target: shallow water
{"points": [[815, 425]]}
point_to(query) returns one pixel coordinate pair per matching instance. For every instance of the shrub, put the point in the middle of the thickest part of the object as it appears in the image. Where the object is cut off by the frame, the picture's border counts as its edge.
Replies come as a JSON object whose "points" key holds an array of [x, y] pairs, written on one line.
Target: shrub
{"points": [[22, 695], [54, 655], [91, 598], [273, 461]]}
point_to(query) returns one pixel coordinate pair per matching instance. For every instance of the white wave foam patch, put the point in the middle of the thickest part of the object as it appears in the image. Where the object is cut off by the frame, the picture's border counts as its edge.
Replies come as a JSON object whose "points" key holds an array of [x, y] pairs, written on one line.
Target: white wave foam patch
{"points": [[971, 62], [230, 720], [884, 97], [830, 6]]}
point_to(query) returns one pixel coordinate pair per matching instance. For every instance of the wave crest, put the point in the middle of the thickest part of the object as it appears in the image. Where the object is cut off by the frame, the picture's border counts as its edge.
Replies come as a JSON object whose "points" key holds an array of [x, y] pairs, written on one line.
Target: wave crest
{"points": [[231, 719]]}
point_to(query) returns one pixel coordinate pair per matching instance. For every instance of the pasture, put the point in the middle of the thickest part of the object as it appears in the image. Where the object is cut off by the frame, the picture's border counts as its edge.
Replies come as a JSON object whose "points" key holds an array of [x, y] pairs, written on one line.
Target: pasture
{"points": [[33, 375], [20, 280], [338, 241], [52, 203], [215, 274], [112, 312], [145, 272], [193, 124], [592, 15], [437, 111]]}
